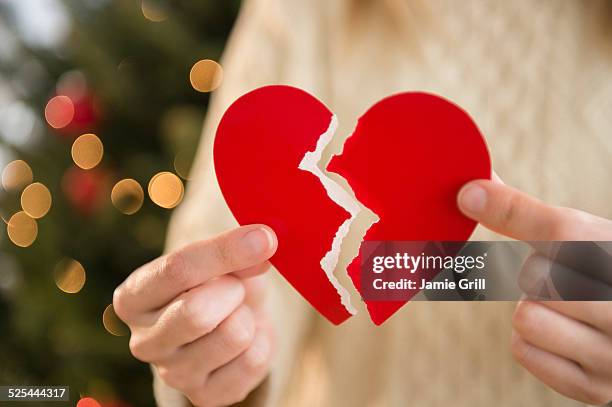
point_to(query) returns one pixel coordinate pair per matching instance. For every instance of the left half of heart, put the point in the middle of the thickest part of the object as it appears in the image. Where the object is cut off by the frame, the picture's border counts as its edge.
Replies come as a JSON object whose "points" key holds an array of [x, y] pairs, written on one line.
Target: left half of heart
{"points": [[269, 157]]}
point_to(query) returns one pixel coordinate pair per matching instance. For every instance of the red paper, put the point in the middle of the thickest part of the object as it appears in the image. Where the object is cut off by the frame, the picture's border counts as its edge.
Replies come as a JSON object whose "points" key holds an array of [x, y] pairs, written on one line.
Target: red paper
{"points": [[406, 161], [259, 145]]}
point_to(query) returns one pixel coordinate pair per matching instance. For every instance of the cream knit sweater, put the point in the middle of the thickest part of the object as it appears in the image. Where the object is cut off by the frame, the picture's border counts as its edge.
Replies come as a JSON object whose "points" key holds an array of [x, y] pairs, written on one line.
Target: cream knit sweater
{"points": [[537, 78]]}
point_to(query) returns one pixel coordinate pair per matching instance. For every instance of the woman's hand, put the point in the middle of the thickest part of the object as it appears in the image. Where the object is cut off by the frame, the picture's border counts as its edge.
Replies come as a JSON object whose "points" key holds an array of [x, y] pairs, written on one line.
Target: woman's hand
{"points": [[567, 345], [197, 315]]}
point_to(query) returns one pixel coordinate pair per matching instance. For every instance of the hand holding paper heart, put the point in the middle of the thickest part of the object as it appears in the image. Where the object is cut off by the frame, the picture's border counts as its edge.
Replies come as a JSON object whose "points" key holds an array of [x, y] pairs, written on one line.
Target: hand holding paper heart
{"points": [[198, 315], [567, 345]]}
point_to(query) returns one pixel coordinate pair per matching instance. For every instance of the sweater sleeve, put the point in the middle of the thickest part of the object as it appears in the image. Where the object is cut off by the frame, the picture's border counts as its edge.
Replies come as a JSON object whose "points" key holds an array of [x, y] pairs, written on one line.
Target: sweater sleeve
{"points": [[253, 57]]}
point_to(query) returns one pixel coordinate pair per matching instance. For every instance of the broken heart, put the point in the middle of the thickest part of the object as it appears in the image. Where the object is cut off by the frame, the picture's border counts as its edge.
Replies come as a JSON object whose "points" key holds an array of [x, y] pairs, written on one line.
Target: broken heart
{"points": [[405, 162]]}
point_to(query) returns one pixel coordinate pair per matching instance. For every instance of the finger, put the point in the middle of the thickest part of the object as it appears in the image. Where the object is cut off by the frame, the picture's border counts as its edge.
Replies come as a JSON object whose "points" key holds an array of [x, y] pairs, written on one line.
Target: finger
{"points": [[193, 314], [189, 367], [562, 336], [253, 271], [233, 382], [256, 289], [543, 278], [562, 375], [508, 211], [590, 227], [155, 284], [593, 259], [534, 278], [597, 314]]}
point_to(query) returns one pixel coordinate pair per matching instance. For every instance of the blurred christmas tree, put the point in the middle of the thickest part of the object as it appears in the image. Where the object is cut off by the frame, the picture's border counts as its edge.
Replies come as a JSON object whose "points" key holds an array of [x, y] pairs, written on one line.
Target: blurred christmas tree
{"points": [[120, 70]]}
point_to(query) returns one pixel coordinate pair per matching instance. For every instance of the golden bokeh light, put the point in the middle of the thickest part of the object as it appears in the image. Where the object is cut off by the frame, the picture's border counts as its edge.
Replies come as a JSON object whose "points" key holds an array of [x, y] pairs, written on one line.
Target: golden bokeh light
{"points": [[166, 190], [87, 151], [69, 276], [22, 229], [36, 200], [206, 75], [59, 111], [127, 196], [153, 12], [16, 175], [112, 323]]}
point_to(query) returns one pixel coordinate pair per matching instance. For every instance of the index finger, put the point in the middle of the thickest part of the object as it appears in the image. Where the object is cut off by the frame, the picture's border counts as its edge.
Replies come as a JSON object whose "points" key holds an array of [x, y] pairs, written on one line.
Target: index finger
{"points": [[509, 211], [155, 284]]}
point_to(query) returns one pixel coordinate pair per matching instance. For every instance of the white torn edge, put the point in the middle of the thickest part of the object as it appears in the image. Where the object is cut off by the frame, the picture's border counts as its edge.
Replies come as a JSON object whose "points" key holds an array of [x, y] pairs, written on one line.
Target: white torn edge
{"points": [[365, 219], [310, 163]]}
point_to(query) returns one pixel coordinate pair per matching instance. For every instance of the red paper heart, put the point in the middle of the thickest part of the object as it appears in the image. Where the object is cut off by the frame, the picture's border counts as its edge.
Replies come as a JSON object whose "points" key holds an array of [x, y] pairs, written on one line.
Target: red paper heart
{"points": [[406, 161], [259, 145]]}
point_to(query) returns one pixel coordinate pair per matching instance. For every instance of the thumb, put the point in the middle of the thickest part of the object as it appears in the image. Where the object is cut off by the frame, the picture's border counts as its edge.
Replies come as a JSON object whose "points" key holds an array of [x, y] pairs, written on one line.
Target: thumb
{"points": [[508, 211]]}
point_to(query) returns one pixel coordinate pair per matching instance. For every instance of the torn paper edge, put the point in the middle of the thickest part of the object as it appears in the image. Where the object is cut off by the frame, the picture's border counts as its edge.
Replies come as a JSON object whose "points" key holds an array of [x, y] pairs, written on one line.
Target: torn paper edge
{"points": [[370, 217], [310, 163]]}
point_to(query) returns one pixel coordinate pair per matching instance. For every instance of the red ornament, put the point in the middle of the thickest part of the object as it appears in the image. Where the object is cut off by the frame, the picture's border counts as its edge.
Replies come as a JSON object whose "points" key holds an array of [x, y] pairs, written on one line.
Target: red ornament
{"points": [[86, 190], [74, 110], [86, 114], [88, 402]]}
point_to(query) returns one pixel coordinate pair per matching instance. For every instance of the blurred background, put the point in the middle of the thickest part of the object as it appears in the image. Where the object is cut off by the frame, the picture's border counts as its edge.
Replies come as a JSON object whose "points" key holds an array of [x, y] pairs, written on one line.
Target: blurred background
{"points": [[101, 107]]}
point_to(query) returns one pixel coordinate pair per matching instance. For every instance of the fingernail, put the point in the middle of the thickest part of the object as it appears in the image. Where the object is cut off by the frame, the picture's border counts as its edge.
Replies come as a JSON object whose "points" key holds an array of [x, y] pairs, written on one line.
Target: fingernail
{"points": [[472, 198], [257, 241]]}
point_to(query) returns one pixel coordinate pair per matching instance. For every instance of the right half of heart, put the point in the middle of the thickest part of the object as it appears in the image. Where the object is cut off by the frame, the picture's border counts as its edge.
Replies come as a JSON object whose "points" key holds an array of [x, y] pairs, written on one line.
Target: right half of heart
{"points": [[407, 159]]}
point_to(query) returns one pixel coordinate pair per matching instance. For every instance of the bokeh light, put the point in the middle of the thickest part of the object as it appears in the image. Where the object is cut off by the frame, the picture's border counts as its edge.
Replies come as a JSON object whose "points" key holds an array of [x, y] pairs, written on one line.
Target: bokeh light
{"points": [[87, 151], [59, 111], [69, 276], [206, 75], [36, 200], [19, 124], [166, 190], [112, 323], [154, 12], [127, 196], [16, 175], [88, 402], [22, 229]]}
